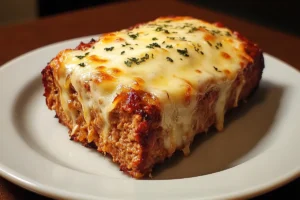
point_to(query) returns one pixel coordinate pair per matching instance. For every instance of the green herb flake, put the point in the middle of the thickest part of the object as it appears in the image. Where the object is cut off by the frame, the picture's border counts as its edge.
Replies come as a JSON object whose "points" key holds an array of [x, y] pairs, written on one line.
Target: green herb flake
{"points": [[215, 32], [183, 52], [126, 44], [154, 38], [208, 43], [219, 45], [217, 69], [133, 36], [122, 52], [128, 63], [170, 59], [109, 48], [171, 38], [228, 34], [81, 57], [166, 31], [136, 61], [131, 48], [146, 57], [193, 29], [153, 45], [169, 46], [81, 64], [158, 29]]}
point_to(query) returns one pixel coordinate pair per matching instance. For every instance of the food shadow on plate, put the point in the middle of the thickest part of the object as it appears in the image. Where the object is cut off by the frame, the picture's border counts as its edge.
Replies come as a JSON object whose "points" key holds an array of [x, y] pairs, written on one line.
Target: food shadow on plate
{"points": [[245, 128]]}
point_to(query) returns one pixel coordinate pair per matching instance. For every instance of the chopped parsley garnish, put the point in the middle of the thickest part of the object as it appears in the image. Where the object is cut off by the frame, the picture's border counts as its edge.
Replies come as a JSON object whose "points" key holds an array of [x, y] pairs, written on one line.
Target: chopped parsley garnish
{"points": [[204, 27], [169, 46], [122, 52], [146, 57], [196, 49], [164, 42], [152, 55], [168, 21], [193, 29], [185, 25], [80, 57], [81, 64], [174, 32], [158, 29], [93, 47], [182, 38], [183, 52], [123, 45], [228, 34], [169, 59], [218, 45], [208, 43], [133, 36], [214, 32], [109, 48], [154, 38], [130, 61], [153, 45], [217, 69], [171, 38], [131, 48]]}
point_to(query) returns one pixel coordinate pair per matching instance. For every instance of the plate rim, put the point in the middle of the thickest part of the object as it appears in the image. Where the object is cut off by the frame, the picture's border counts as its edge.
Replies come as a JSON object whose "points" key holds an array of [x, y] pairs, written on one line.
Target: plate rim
{"points": [[33, 186]]}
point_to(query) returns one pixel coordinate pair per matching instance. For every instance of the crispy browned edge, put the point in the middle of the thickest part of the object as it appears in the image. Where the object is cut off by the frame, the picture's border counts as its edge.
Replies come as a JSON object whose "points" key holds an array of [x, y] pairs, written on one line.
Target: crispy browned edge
{"points": [[135, 139]]}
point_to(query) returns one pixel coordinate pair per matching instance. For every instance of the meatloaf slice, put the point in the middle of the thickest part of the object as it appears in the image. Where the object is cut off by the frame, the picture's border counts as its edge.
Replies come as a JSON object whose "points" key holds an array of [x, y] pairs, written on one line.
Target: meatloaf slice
{"points": [[142, 93]]}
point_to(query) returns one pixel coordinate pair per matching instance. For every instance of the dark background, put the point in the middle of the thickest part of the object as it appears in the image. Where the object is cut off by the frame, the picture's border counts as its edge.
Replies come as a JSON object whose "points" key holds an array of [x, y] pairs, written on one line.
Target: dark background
{"points": [[281, 15]]}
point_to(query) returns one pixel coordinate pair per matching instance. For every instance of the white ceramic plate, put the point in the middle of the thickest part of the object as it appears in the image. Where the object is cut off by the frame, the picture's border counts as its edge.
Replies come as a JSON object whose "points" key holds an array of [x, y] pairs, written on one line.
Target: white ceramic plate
{"points": [[257, 152]]}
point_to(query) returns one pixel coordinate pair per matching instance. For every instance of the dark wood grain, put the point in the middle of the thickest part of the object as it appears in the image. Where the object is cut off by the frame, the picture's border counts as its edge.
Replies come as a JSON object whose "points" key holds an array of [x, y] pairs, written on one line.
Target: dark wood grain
{"points": [[18, 39]]}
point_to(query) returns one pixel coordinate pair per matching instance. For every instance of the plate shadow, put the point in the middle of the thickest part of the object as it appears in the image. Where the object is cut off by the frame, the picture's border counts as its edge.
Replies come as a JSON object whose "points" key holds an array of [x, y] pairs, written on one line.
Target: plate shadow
{"points": [[245, 127]]}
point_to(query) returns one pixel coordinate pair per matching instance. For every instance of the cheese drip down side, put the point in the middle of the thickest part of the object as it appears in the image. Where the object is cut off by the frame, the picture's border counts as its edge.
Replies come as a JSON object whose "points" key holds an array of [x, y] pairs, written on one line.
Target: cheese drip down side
{"points": [[174, 59]]}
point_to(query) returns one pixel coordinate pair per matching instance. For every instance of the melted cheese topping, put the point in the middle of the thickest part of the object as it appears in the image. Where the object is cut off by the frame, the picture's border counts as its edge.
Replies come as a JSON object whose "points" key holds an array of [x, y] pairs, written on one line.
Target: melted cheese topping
{"points": [[175, 59]]}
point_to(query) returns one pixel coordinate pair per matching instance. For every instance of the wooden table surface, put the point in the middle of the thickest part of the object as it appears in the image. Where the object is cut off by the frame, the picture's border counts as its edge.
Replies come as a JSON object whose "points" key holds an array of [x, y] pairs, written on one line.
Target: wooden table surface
{"points": [[21, 38]]}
